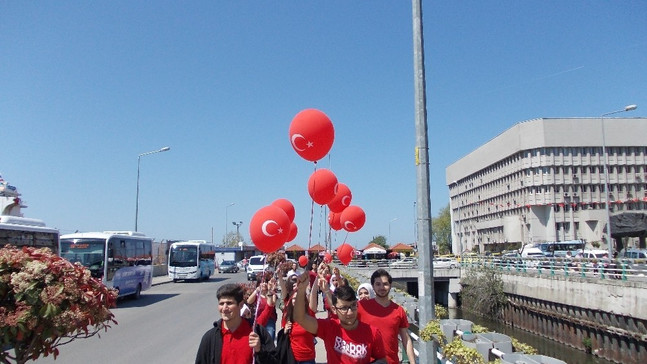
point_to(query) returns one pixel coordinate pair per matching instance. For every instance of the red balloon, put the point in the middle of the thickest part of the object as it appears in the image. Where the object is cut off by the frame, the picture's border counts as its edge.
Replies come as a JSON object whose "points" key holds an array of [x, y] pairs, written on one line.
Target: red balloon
{"points": [[293, 232], [286, 206], [345, 253], [269, 228], [342, 198], [322, 185], [311, 134], [303, 261], [352, 218], [333, 220], [327, 258]]}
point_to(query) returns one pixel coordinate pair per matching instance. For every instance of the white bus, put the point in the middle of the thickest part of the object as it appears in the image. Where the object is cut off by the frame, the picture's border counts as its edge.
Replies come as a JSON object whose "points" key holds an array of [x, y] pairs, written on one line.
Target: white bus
{"points": [[123, 260], [193, 259]]}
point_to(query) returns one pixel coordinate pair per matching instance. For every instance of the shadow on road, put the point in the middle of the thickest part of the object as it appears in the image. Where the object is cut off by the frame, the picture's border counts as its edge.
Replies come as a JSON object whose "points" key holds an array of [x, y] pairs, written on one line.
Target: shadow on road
{"points": [[144, 300]]}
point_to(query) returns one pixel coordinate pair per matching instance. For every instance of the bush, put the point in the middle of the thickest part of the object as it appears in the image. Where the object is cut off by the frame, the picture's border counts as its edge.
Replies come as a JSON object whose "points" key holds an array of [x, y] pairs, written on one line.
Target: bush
{"points": [[483, 291], [46, 302]]}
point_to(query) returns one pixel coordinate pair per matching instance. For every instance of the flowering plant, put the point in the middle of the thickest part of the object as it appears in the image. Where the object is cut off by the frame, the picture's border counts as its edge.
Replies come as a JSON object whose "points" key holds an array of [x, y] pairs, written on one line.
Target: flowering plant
{"points": [[46, 302]]}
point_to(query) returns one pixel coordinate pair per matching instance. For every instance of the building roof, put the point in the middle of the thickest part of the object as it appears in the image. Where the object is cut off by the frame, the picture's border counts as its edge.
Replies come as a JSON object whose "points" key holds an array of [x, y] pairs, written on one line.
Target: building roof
{"points": [[373, 248], [295, 248], [402, 247], [317, 248]]}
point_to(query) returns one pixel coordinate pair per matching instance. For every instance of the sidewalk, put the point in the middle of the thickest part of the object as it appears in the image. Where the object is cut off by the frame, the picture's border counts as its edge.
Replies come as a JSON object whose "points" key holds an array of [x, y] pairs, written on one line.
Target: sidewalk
{"points": [[161, 280]]}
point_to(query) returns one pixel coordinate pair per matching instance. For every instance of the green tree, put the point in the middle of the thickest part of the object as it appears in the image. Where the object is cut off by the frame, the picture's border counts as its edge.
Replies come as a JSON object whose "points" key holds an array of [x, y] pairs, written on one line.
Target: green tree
{"points": [[380, 240], [441, 228], [231, 240]]}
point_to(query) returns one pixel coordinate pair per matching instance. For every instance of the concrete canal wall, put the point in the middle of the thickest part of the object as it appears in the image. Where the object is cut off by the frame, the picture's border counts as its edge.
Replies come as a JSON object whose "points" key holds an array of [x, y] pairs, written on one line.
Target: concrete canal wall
{"points": [[609, 315]]}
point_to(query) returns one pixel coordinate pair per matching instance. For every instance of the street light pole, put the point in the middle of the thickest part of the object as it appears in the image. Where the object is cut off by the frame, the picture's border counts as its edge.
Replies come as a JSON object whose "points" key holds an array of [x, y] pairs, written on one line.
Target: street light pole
{"points": [[606, 174], [458, 225], [138, 163], [425, 249], [227, 217], [237, 229]]}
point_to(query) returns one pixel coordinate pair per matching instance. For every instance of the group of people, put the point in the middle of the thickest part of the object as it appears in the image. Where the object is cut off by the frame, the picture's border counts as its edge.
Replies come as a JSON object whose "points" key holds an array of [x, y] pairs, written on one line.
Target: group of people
{"points": [[362, 326]]}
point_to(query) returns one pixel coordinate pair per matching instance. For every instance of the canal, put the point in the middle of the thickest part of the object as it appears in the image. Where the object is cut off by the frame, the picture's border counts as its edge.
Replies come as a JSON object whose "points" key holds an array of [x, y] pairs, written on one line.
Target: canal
{"points": [[543, 345]]}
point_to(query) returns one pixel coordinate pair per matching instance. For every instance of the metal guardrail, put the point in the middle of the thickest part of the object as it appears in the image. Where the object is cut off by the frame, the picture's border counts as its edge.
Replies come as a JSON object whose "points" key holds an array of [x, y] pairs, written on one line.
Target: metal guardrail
{"points": [[599, 269]]}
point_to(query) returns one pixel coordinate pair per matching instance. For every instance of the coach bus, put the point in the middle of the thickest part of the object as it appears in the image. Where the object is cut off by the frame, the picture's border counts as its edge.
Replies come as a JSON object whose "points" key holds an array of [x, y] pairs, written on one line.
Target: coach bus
{"points": [[123, 260], [560, 248], [193, 259]]}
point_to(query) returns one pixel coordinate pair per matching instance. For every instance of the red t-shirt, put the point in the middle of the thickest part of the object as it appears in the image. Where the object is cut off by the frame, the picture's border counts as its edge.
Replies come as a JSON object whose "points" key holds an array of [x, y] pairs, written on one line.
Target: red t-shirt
{"points": [[303, 342], [359, 346], [313, 277], [388, 320], [265, 312], [235, 345]]}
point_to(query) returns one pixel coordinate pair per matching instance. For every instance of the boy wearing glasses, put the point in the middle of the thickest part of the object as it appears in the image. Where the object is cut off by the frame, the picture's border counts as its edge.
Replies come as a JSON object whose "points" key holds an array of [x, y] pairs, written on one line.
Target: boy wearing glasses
{"points": [[347, 340], [388, 317]]}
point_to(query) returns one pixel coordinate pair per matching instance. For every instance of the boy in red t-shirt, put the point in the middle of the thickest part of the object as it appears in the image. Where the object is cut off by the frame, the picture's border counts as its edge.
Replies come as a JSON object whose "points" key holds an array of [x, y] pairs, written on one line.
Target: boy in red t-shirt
{"points": [[387, 316], [347, 340], [232, 340]]}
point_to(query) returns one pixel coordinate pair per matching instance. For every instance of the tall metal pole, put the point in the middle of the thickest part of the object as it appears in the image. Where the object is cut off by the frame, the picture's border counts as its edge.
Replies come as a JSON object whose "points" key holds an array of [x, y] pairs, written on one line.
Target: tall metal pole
{"points": [[139, 157], [606, 174], [425, 249], [227, 217]]}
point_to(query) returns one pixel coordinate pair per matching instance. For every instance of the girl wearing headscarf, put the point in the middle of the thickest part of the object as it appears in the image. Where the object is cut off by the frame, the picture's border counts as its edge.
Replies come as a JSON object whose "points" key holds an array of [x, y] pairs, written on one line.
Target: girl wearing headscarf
{"points": [[365, 292]]}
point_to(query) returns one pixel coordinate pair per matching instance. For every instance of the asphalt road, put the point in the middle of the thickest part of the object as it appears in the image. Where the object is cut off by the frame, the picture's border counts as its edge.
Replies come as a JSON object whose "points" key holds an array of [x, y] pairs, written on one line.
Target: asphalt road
{"points": [[164, 326]]}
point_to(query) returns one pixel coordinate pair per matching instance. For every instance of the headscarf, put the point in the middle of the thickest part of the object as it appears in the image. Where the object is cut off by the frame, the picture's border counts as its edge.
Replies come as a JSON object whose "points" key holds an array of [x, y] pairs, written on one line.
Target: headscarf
{"points": [[368, 287]]}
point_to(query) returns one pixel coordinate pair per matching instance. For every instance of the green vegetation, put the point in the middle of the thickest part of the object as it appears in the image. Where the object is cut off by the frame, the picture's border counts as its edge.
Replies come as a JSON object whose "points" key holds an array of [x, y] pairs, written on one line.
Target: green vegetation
{"points": [[441, 231], [458, 353], [482, 291]]}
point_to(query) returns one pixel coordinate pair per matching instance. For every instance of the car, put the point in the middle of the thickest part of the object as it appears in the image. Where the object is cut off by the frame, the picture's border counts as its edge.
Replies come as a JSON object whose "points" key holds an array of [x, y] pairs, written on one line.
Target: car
{"points": [[404, 263], [634, 254], [445, 263], [228, 266], [595, 254], [256, 265]]}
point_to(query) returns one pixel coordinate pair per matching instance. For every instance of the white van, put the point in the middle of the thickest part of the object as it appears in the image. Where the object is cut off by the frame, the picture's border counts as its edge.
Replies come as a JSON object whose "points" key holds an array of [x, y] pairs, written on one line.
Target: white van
{"points": [[256, 265], [531, 252]]}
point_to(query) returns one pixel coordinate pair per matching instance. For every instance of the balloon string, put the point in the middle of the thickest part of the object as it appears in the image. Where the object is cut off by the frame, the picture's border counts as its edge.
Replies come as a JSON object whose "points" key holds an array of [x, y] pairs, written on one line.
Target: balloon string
{"points": [[312, 211], [258, 304], [258, 294]]}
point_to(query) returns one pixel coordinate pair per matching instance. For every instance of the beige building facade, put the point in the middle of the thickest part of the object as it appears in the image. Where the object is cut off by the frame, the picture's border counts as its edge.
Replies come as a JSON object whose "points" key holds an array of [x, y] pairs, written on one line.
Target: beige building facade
{"points": [[544, 180]]}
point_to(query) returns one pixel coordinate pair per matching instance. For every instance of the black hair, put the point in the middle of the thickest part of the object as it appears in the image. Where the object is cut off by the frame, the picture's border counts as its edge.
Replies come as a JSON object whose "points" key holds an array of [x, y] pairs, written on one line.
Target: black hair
{"points": [[231, 290], [381, 273], [345, 293]]}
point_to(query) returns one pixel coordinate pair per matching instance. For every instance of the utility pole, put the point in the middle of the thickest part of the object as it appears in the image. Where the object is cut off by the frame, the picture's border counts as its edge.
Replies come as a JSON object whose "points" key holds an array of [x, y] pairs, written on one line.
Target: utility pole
{"points": [[425, 249]]}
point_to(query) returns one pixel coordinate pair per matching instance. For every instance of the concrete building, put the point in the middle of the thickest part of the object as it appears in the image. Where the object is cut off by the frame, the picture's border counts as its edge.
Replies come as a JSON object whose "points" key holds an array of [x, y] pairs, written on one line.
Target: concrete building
{"points": [[544, 180]]}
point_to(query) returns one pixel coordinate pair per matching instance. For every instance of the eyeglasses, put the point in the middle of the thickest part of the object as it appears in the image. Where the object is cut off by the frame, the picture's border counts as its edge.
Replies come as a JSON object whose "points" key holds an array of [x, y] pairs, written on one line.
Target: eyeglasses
{"points": [[345, 309]]}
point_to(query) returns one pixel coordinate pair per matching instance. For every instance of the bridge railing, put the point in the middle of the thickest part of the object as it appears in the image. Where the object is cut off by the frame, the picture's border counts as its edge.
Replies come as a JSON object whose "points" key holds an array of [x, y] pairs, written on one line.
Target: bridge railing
{"points": [[622, 269]]}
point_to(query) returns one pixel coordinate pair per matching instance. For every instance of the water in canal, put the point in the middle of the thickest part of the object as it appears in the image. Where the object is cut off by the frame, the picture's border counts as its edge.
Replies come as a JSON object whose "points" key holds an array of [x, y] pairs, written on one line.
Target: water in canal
{"points": [[544, 346]]}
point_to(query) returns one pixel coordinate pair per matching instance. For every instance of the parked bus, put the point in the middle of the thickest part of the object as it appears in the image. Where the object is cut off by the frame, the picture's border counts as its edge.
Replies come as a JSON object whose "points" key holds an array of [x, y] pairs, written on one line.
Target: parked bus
{"points": [[121, 259], [559, 248], [193, 259]]}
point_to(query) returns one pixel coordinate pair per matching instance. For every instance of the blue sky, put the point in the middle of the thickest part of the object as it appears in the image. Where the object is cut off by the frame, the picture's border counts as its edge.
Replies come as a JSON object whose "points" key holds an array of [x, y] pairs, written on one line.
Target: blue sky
{"points": [[88, 86]]}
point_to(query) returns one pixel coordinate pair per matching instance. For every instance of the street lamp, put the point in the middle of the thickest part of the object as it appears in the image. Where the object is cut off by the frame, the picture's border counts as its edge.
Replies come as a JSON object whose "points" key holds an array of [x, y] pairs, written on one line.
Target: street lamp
{"points": [[606, 173], [237, 229], [138, 162], [227, 218], [392, 220], [458, 225]]}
